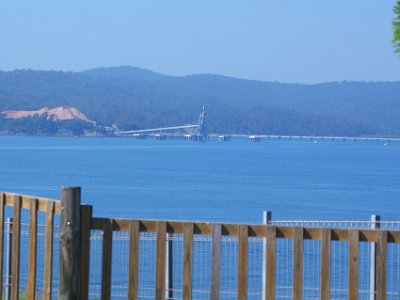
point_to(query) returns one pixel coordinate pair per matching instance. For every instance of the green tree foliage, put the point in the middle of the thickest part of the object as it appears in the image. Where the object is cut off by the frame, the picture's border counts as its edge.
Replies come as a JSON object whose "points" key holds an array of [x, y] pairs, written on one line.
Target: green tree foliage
{"points": [[396, 27], [40, 125], [135, 99]]}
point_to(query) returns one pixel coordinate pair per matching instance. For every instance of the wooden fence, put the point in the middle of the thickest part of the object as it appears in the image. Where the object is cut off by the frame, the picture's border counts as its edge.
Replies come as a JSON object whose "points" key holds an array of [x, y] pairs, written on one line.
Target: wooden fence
{"points": [[77, 222]]}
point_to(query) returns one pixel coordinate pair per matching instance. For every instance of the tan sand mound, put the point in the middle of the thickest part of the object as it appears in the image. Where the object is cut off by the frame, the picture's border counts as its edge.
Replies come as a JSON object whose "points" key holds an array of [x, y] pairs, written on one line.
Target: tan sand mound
{"points": [[56, 114]]}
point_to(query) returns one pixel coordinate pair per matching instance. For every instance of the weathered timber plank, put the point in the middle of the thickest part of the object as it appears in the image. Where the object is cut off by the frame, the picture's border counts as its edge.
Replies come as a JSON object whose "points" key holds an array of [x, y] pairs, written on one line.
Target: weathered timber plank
{"points": [[160, 260], [353, 264], [133, 280], [70, 244], [242, 262], [15, 261], [106, 261], [270, 278], [381, 265], [366, 235], [32, 248], [25, 202], [216, 262], [48, 261], [187, 261], [325, 272], [393, 236], [298, 263], [86, 213], [287, 232]]}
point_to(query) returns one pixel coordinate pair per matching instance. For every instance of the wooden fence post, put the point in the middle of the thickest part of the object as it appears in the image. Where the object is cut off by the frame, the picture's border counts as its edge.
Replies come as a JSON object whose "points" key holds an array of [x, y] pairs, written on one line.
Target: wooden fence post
{"points": [[70, 244], [216, 262], [86, 219]]}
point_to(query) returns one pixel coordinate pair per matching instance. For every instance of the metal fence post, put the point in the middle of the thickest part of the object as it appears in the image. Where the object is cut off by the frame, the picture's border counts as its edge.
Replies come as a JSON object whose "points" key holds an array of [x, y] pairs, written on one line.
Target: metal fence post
{"points": [[70, 244], [375, 224], [169, 293], [9, 229], [267, 218]]}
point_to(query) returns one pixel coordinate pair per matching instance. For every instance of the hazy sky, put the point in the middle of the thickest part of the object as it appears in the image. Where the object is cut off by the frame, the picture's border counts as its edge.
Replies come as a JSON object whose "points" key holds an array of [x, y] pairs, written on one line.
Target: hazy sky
{"points": [[273, 40]]}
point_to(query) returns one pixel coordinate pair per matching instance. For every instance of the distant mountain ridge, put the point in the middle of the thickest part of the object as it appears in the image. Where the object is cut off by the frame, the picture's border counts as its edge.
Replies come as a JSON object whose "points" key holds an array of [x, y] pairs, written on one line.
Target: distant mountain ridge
{"points": [[135, 98], [126, 72]]}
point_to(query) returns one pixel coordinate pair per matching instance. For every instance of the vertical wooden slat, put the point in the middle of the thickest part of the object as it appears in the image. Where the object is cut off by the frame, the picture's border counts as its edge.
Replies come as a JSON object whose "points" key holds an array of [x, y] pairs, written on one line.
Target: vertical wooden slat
{"points": [[216, 262], [381, 264], [33, 206], [242, 262], [187, 261], [2, 201], [106, 261], [16, 248], [298, 249], [353, 264], [48, 261], [160, 260], [325, 271], [270, 266], [86, 217], [134, 238]]}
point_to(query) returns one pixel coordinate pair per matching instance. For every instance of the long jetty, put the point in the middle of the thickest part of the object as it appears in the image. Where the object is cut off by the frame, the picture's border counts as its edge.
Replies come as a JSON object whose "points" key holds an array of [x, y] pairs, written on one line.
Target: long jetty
{"points": [[310, 137], [143, 135]]}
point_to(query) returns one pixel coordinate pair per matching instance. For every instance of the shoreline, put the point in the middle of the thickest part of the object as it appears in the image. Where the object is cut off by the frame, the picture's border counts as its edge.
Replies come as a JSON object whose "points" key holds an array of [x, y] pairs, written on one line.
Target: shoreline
{"points": [[219, 135]]}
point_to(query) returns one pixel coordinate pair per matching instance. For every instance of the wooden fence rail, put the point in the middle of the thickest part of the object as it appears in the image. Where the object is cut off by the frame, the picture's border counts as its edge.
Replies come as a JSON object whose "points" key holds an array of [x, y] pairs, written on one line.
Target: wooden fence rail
{"points": [[34, 205], [75, 230]]}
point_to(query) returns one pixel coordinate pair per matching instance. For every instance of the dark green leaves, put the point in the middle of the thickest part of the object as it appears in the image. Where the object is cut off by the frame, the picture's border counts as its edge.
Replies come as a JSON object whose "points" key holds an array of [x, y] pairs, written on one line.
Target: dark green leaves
{"points": [[396, 27]]}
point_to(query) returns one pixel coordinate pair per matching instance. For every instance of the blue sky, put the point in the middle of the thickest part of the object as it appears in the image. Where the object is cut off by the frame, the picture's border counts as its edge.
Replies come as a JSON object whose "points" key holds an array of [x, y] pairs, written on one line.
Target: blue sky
{"points": [[303, 41]]}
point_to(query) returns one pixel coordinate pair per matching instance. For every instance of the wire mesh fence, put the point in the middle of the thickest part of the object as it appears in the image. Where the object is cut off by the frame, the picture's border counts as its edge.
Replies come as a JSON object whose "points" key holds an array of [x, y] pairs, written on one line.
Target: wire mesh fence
{"points": [[384, 225], [256, 252], [24, 255], [340, 256], [202, 249]]}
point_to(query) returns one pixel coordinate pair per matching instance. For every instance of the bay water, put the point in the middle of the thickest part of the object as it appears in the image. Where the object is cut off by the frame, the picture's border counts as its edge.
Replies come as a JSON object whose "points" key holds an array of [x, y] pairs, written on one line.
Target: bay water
{"points": [[210, 181]]}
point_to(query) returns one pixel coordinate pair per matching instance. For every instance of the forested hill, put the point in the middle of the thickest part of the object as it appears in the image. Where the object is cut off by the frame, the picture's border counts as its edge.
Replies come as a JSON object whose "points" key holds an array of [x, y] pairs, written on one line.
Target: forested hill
{"points": [[137, 98]]}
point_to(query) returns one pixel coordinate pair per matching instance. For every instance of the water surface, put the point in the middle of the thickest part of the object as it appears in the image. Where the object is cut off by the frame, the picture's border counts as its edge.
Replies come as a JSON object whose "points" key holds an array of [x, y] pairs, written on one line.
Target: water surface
{"points": [[214, 181]]}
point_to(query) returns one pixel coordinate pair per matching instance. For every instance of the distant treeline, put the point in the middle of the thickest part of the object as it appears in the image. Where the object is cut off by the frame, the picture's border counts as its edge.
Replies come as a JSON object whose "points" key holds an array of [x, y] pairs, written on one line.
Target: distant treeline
{"points": [[134, 98], [39, 125]]}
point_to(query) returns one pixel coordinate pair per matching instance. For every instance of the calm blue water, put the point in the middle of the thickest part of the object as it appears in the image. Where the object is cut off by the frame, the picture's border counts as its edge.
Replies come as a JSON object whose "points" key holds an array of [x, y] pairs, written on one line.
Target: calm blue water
{"points": [[233, 181]]}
